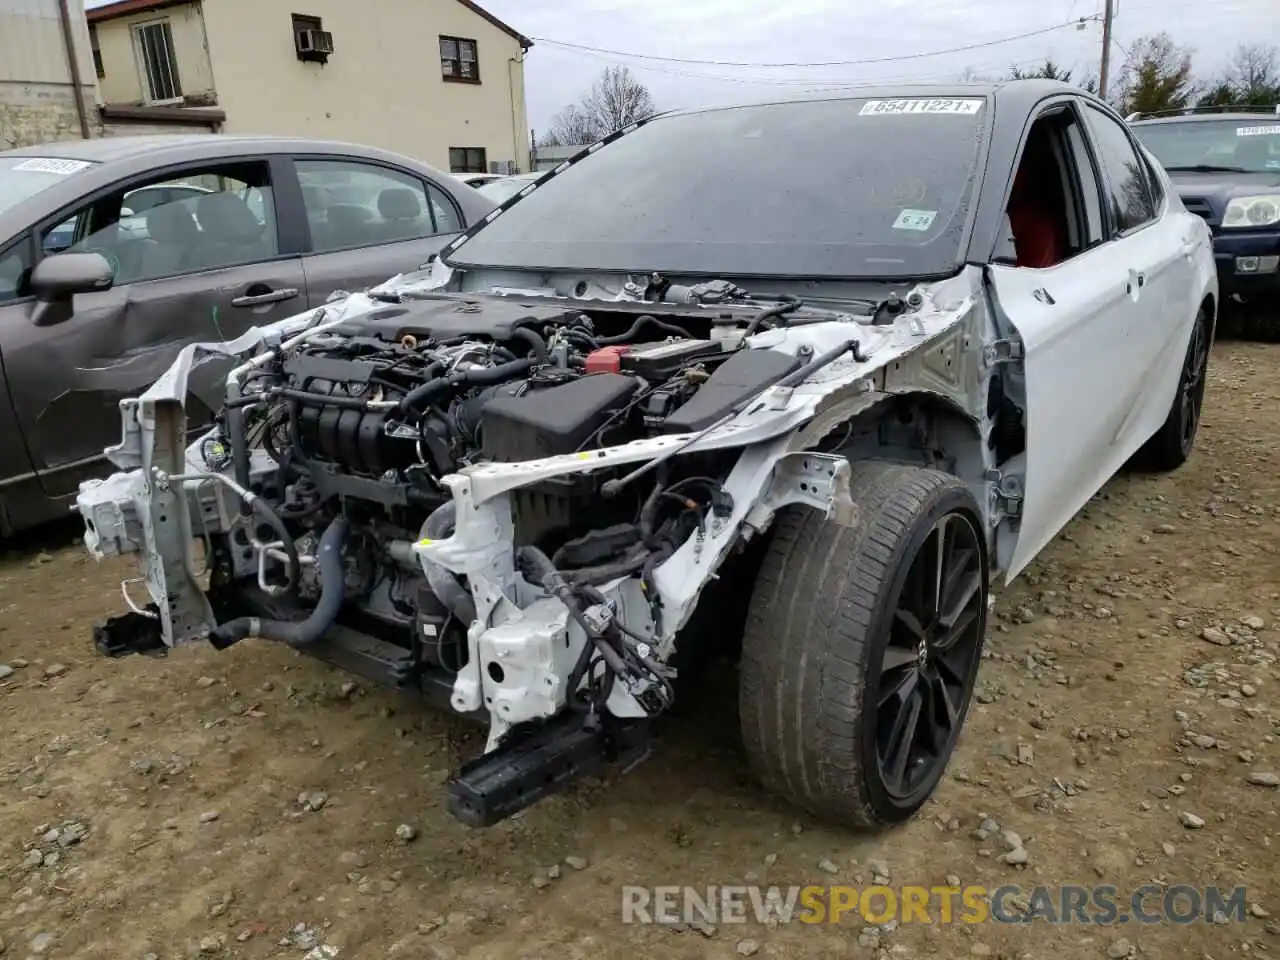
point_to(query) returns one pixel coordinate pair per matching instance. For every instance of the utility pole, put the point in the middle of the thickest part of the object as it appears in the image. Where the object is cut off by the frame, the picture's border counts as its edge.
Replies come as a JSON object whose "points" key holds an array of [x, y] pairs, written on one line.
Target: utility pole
{"points": [[1108, 15]]}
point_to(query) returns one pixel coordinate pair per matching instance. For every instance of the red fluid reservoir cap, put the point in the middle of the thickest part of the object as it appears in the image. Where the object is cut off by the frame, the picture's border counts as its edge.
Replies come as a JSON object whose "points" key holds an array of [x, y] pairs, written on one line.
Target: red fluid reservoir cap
{"points": [[606, 359]]}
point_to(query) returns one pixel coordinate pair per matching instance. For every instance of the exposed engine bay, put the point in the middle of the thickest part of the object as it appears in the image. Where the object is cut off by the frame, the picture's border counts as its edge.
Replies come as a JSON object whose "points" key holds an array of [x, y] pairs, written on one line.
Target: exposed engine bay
{"points": [[364, 421], [512, 503]]}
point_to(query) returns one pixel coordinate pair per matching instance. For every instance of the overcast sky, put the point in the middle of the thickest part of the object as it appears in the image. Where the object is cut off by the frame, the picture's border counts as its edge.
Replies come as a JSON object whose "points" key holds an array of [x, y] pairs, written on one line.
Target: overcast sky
{"points": [[808, 31]]}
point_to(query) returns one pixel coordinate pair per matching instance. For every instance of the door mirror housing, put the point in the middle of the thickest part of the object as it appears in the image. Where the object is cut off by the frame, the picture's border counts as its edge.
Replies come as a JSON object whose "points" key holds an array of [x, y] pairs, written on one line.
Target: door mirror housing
{"points": [[60, 277]]}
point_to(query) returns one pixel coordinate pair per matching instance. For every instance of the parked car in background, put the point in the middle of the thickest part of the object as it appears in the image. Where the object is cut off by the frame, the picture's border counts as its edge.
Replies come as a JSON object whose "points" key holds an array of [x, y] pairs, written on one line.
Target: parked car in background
{"points": [[1226, 168], [503, 189], [477, 179], [205, 236], [136, 203]]}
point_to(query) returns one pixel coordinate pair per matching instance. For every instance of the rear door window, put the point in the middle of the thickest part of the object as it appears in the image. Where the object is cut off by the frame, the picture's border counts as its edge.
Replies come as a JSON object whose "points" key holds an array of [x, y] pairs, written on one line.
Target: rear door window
{"points": [[351, 204], [1127, 193]]}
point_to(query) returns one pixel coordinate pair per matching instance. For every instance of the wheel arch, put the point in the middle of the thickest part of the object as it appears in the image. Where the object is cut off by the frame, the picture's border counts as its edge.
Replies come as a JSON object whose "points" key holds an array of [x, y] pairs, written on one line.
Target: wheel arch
{"points": [[920, 427], [1210, 303]]}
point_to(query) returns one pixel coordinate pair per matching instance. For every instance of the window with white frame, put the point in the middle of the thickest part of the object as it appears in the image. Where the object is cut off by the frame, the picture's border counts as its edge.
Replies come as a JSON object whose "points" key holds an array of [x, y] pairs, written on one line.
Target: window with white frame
{"points": [[157, 64]]}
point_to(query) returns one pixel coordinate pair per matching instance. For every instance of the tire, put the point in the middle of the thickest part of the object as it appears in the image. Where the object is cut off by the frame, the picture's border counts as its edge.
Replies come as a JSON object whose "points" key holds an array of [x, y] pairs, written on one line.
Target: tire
{"points": [[1171, 445], [821, 625]]}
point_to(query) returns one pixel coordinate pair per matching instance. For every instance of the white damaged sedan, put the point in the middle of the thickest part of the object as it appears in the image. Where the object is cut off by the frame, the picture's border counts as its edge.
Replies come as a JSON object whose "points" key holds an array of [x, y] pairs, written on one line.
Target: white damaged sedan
{"points": [[815, 371]]}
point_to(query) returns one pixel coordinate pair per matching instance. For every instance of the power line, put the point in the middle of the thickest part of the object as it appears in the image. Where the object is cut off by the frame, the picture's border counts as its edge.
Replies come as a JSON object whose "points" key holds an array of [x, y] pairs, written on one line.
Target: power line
{"points": [[810, 83], [822, 63], [816, 84]]}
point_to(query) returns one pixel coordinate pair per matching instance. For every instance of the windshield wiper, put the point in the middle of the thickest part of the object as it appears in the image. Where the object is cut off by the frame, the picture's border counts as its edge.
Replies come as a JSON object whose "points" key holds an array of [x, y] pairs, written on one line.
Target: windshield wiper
{"points": [[1206, 168]]}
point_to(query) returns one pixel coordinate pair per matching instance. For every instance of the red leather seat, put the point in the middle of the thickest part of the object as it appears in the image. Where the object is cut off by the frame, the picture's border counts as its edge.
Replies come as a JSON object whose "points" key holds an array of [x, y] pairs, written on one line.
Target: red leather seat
{"points": [[1036, 237]]}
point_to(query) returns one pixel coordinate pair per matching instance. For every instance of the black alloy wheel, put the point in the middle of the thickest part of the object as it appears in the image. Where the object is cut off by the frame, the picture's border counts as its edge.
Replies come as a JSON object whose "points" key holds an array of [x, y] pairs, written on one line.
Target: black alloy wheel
{"points": [[1191, 387], [862, 645], [927, 667]]}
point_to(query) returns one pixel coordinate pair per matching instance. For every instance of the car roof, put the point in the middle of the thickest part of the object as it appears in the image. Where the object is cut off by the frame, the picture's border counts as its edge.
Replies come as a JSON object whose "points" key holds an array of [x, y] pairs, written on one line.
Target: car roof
{"points": [[1015, 94], [1234, 117], [179, 147], [115, 158]]}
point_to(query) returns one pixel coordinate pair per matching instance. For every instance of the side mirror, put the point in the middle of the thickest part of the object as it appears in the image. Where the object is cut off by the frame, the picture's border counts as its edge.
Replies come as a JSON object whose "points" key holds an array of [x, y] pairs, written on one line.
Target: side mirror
{"points": [[63, 275], [126, 212], [56, 279]]}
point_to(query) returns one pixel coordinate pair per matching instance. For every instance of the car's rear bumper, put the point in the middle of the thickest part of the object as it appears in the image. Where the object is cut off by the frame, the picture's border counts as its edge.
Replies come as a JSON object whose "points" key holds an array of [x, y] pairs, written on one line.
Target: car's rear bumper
{"points": [[1248, 265]]}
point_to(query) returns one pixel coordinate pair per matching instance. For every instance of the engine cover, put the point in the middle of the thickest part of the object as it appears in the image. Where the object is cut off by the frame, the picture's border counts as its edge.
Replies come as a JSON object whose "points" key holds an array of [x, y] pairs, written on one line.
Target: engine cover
{"points": [[492, 318]]}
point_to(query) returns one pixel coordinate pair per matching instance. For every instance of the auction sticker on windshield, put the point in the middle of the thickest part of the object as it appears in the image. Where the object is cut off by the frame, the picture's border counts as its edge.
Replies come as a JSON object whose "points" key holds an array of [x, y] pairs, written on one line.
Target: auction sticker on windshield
{"points": [[915, 220], [51, 165], [966, 106], [1267, 131]]}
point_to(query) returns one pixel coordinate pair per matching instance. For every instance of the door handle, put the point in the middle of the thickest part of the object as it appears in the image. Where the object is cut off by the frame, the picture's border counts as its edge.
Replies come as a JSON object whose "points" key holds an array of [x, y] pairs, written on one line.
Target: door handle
{"points": [[258, 299]]}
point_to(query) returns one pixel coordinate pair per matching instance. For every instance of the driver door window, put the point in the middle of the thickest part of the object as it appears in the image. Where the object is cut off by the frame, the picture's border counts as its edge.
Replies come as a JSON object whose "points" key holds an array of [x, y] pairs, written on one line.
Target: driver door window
{"points": [[186, 229], [14, 264], [1053, 210]]}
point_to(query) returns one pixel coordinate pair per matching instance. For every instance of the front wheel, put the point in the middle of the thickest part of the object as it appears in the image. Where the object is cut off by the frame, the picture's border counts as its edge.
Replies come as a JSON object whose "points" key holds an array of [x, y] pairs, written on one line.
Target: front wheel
{"points": [[862, 646]]}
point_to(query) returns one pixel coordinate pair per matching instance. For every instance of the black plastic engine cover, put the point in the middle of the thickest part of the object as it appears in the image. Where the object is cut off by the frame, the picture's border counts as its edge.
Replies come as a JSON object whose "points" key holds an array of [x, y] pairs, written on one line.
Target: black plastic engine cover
{"points": [[482, 316], [554, 421], [743, 374]]}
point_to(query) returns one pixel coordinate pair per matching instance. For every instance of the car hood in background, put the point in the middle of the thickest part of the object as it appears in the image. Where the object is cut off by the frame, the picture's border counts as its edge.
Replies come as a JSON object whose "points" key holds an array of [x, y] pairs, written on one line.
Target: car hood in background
{"points": [[1208, 194]]}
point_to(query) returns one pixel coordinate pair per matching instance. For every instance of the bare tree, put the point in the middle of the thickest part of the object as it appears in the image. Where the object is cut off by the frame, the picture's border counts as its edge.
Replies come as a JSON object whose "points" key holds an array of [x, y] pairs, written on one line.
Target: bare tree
{"points": [[571, 127], [1252, 78], [615, 100], [1156, 75], [1255, 74]]}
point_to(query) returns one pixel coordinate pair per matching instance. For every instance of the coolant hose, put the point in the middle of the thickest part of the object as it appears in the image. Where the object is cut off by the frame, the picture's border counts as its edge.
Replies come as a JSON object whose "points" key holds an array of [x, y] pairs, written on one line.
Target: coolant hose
{"points": [[456, 598], [535, 342], [485, 377], [299, 633], [642, 321]]}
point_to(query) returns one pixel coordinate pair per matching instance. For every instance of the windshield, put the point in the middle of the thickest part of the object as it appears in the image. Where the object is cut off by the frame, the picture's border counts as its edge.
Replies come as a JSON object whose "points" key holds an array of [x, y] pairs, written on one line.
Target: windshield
{"points": [[1249, 146], [499, 191], [24, 177], [826, 188]]}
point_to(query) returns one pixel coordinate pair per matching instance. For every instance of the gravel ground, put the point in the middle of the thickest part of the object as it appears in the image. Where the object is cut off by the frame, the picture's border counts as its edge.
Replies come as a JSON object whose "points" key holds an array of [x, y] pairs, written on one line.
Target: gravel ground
{"points": [[257, 804]]}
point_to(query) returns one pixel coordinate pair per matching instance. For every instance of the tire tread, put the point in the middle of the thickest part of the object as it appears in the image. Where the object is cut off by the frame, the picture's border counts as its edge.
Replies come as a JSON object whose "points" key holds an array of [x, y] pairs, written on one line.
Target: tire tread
{"points": [[808, 632]]}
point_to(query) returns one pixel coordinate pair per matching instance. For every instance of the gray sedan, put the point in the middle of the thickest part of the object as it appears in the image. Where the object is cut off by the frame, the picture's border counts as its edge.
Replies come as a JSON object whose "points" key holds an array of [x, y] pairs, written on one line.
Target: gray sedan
{"points": [[114, 253]]}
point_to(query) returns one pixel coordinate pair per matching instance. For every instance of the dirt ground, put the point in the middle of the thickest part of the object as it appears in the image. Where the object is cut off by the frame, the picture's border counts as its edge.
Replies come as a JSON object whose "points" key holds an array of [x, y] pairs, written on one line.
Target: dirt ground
{"points": [[246, 804]]}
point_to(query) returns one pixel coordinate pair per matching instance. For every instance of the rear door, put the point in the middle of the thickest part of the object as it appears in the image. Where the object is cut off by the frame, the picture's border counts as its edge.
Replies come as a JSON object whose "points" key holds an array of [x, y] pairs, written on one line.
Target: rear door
{"points": [[1085, 327], [369, 221], [1159, 244], [202, 267]]}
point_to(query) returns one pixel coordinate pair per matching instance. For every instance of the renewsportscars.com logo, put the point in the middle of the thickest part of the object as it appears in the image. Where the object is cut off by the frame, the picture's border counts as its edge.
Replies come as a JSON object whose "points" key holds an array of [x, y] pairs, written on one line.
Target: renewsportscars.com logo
{"points": [[1068, 904]]}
